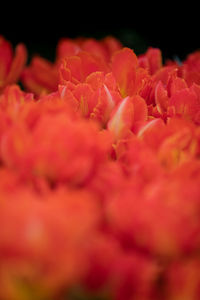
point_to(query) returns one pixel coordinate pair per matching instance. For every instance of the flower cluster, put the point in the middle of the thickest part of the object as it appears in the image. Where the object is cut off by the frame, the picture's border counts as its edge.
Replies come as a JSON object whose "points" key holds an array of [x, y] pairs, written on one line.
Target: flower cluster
{"points": [[99, 174]]}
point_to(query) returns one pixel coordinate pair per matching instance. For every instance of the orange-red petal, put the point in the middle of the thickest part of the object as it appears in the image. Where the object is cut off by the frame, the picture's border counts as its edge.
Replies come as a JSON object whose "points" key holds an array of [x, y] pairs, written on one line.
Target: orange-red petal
{"points": [[124, 64]]}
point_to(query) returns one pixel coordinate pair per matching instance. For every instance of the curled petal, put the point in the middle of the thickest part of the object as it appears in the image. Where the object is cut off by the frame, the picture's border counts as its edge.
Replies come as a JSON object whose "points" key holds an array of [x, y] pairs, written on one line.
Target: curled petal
{"points": [[151, 60], [95, 48], [122, 119], [40, 77], [84, 94], [6, 55], [153, 133], [66, 47], [128, 116], [95, 80], [161, 97], [17, 65], [106, 101], [91, 64], [112, 44], [110, 81], [124, 64], [140, 109], [154, 57], [67, 95]]}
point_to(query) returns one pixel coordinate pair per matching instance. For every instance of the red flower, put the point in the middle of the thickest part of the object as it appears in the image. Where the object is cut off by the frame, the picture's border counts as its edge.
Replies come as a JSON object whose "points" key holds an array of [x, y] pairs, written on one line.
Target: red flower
{"points": [[77, 57], [41, 77]]}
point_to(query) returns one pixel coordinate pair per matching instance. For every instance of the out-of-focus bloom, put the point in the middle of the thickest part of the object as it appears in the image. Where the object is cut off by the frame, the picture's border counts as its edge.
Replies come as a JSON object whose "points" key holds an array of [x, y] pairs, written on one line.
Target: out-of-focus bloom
{"points": [[118, 274], [191, 67], [12, 101], [11, 65], [183, 279], [40, 248], [103, 49], [152, 218], [29, 149], [40, 77]]}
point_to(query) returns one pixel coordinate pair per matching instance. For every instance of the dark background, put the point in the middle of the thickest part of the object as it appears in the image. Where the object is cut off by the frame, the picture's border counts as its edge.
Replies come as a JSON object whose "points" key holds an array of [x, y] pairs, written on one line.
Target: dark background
{"points": [[138, 25]]}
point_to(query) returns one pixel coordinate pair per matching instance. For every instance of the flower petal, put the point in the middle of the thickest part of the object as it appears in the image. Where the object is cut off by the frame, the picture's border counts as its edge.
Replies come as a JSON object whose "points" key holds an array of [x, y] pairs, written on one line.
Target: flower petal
{"points": [[17, 65], [124, 64]]}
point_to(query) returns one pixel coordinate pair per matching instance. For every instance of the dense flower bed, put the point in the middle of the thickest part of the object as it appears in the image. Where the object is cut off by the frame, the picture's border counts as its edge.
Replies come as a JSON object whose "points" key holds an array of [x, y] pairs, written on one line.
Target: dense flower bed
{"points": [[99, 174]]}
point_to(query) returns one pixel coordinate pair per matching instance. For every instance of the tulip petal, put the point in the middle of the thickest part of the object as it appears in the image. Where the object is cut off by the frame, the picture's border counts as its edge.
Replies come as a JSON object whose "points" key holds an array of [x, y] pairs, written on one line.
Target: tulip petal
{"points": [[161, 97], [17, 65], [6, 55], [122, 119], [124, 64]]}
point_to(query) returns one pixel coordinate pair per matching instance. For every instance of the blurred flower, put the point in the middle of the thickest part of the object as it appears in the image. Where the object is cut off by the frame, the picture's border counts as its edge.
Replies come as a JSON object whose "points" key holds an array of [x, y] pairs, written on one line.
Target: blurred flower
{"points": [[11, 65]]}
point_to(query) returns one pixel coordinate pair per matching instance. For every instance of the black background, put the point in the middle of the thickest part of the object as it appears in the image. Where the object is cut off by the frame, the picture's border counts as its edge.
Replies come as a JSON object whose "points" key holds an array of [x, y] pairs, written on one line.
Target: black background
{"points": [[138, 25]]}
